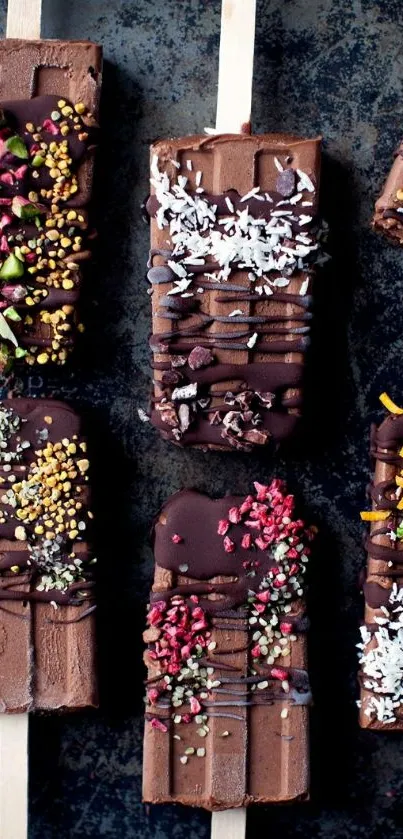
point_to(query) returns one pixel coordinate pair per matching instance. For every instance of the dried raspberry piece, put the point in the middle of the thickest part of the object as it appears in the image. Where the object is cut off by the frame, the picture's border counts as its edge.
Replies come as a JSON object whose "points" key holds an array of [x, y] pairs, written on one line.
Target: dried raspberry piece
{"points": [[176, 539], [50, 126], [246, 541], [223, 527], [263, 596], [160, 726], [155, 614], [229, 545], [246, 505], [195, 706], [234, 515], [279, 673], [152, 695]]}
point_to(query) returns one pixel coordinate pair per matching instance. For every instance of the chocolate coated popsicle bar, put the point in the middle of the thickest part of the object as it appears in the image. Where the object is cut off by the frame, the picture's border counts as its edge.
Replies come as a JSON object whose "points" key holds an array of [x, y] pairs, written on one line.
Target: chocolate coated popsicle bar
{"points": [[227, 688], [381, 650], [47, 625], [49, 96], [234, 237], [388, 216]]}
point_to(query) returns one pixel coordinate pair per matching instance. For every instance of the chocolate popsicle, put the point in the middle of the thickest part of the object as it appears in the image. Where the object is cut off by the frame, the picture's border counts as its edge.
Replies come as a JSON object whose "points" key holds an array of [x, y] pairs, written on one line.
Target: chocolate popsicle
{"points": [[47, 624], [49, 92], [388, 216], [227, 689], [381, 648], [234, 238]]}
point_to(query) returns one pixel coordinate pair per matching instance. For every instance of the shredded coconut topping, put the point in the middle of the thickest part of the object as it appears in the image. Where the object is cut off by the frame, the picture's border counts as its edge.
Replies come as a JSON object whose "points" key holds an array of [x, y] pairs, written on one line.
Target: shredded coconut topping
{"points": [[381, 660], [198, 233]]}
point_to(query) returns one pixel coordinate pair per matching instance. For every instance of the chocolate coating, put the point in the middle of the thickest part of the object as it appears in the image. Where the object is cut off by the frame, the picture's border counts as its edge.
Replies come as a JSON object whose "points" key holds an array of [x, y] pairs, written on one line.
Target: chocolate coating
{"points": [[210, 583], [384, 576], [254, 328], [47, 628]]}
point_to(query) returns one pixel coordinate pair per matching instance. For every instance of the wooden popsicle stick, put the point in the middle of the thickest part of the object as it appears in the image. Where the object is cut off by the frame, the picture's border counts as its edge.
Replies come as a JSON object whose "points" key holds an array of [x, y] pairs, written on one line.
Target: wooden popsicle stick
{"points": [[234, 101], [13, 776], [229, 824], [235, 73], [24, 19]]}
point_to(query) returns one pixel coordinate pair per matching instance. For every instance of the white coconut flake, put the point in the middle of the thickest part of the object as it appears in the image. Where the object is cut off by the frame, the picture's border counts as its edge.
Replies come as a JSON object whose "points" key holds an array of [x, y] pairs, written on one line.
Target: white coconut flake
{"points": [[304, 287], [382, 662], [250, 194], [305, 181], [252, 340], [241, 241], [279, 166], [142, 415], [235, 312], [198, 178], [177, 268], [189, 165], [281, 282], [179, 287]]}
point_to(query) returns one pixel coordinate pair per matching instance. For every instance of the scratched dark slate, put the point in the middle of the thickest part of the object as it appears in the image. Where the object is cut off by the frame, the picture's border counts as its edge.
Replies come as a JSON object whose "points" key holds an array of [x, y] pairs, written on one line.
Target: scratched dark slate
{"points": [[330, 66]]}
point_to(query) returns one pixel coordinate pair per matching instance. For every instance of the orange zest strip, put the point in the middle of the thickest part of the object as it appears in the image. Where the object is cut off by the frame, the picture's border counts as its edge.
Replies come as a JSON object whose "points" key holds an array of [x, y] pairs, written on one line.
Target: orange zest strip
{"points": [[375, 515], [399, 481], [400, 505], [388, 403]]}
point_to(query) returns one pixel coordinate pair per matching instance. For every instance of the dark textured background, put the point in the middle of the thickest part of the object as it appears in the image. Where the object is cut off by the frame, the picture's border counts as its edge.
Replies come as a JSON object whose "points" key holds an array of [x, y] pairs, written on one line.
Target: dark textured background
{"points": [[330, 66]]}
